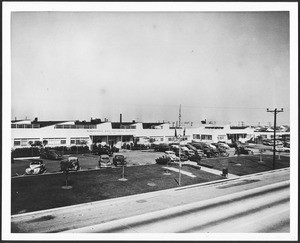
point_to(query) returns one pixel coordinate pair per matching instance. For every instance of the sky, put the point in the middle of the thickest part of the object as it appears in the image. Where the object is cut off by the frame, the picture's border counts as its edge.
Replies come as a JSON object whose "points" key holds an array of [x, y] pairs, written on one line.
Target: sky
{"points": [[220, 66]]}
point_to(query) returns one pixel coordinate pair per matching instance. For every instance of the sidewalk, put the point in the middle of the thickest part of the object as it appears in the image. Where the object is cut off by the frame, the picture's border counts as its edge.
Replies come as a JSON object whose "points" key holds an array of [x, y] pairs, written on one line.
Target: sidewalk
{"points": [[209, 170]]}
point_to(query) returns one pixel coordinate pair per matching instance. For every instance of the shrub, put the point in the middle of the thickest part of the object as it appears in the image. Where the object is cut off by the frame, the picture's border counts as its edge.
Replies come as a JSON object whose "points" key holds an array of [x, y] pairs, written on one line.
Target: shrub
{"points": [[162, 160], [25, 152]]}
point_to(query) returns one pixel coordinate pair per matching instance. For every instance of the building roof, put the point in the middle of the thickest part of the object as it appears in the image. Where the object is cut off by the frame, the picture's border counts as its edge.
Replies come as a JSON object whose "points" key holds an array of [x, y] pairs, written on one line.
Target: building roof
{"points": [[46, 123], [117, 125], [149, 125], [92, 122]]}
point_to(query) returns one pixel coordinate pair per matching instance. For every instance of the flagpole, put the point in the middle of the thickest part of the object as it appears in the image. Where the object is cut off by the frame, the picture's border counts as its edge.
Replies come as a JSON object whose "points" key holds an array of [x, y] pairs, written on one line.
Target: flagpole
{"points": [[179, 179]]}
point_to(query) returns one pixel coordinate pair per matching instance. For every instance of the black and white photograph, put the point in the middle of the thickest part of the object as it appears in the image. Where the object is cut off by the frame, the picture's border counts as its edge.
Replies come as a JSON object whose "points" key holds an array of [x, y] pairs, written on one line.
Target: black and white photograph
{"points": [[150, 121]]}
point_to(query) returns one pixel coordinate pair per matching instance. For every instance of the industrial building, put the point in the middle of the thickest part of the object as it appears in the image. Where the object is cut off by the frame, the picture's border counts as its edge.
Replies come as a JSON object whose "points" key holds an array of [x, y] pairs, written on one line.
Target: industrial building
{"points": [[70, 133]]}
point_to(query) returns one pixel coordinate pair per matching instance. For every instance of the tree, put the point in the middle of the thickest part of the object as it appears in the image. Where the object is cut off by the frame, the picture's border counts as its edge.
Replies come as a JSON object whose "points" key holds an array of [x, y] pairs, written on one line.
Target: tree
{"points": [[45, 142], [31, 144]]}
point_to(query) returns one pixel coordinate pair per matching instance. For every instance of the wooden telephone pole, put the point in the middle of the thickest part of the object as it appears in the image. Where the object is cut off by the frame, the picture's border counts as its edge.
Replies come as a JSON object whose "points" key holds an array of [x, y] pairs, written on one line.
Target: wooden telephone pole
{"points": [[275, 111]]}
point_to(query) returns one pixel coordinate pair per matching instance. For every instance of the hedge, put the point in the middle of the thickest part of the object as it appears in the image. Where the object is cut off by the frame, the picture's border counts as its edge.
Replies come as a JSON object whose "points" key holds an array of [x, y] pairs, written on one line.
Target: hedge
{"points": [[25, 152], [34, 151]]}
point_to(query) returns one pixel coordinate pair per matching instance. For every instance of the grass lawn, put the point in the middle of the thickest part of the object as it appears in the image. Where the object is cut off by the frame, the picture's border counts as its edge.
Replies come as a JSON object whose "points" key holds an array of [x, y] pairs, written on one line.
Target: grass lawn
{"points": [[34, 193], [245, 165]]}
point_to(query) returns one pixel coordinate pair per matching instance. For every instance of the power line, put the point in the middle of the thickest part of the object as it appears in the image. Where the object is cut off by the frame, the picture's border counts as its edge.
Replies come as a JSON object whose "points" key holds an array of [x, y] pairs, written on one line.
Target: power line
{"points": [[197, 106]]}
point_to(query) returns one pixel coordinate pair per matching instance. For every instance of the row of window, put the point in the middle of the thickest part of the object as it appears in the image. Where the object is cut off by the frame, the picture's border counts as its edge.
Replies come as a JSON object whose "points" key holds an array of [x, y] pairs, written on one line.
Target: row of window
{"points": [[25, 125], [79, 141], [25, 141], [50, 141], [202, 137], [75, 126], [127, 127]]}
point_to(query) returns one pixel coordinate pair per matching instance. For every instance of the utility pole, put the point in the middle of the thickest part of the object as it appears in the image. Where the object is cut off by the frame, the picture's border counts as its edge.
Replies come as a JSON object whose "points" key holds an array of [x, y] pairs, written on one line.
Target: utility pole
{"points": [[179, 179], [275, 111]]}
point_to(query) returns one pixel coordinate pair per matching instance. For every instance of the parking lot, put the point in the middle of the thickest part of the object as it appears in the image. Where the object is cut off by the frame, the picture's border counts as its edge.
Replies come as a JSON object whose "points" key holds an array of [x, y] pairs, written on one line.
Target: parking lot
{"points": [[88, 161]]}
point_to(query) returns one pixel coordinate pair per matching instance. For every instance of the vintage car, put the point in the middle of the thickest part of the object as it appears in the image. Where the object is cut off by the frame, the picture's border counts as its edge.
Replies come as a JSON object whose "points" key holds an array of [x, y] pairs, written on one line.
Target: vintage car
{"points": [[72, 164], [50, 154], [162, 147], [195, 158], [119, 160], [104, 161], [184, 157], [171, 154], [36, 167], [243, 150]]}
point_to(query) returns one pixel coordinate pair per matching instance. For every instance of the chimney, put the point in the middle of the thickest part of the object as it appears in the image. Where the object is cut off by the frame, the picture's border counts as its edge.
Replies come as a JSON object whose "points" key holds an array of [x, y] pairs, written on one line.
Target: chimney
{"points": [[121, 118]]}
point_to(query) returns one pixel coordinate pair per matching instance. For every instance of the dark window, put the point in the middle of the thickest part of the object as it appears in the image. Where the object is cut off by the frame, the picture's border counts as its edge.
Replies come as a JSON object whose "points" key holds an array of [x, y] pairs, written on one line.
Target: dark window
{"points": [[17, 143]]}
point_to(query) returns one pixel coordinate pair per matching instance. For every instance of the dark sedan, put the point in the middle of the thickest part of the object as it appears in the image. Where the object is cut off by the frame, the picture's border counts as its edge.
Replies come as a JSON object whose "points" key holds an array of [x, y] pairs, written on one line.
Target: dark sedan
{"points": [[119, 160]]}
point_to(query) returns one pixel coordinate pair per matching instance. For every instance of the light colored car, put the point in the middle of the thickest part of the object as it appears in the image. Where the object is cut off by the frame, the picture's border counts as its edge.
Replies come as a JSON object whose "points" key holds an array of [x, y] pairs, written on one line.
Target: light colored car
{"points": [[36, 167], [281, 149], [171, 155], [104, 161]]}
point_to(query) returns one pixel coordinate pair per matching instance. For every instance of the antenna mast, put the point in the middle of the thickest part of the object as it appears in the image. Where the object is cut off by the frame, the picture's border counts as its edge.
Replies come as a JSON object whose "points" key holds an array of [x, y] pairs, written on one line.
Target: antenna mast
{"points": [[179, 115]]}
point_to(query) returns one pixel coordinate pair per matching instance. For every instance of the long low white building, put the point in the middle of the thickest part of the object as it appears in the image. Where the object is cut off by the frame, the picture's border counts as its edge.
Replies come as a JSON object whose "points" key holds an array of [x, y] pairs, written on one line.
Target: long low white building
{"points": [[70, 133]]}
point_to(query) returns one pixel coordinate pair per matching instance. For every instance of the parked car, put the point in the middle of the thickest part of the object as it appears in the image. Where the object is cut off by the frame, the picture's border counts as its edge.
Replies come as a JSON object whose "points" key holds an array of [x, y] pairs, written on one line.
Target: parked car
{"points": [[105, 150], [50, 154], [72, 163], [104, 161], [190, 146], [171, 155], [184, 157], [224, 144], [243, 150], [281, 149], [162, 147], [271, 142], [195, 158], [119, 160], [36, 167]]}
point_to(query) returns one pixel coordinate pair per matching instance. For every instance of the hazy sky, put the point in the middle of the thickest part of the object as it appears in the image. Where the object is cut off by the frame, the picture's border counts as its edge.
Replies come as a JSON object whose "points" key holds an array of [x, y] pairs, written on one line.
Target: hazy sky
{"points": [[223, 66]]}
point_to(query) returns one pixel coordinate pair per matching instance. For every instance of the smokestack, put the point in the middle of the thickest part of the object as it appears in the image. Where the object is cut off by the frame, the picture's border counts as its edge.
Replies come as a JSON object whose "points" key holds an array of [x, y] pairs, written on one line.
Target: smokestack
{"points": [[121, 118]]}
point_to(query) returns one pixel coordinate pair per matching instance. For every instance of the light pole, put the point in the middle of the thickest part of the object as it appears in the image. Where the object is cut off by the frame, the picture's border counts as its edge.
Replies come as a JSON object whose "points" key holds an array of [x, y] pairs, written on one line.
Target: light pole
{"points": [[274, 145], [179, 179]]}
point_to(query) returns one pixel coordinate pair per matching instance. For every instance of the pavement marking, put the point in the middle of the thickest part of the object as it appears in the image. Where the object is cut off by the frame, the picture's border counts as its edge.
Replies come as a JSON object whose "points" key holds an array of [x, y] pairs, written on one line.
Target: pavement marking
{"points": [[181, 171]]}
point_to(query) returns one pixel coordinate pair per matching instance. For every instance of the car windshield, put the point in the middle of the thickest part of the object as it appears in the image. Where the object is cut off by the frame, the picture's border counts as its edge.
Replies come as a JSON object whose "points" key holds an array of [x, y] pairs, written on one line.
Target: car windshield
{"points": [[170, 153], [35, 163], [119, 157]]}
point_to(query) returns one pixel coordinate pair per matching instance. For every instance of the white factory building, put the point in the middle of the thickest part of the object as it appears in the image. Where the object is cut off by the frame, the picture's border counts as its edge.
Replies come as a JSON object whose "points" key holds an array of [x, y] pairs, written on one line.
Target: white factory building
{"points": [[69, 133]]}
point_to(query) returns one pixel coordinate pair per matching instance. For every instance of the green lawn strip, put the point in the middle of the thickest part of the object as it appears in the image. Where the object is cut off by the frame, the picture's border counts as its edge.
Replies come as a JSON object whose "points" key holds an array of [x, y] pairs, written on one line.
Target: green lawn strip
{"points": [[245, 165], [34, 193]]}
